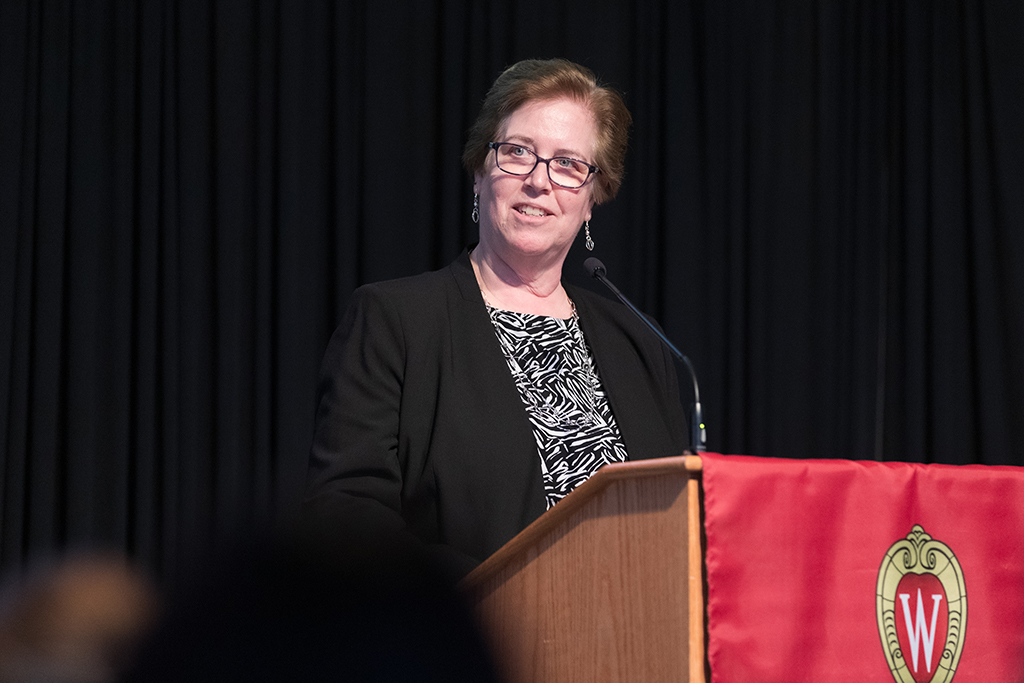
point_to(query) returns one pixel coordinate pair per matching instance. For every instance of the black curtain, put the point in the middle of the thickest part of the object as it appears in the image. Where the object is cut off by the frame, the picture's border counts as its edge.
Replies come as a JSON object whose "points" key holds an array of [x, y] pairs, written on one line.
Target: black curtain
{"points": [[824, 206]]}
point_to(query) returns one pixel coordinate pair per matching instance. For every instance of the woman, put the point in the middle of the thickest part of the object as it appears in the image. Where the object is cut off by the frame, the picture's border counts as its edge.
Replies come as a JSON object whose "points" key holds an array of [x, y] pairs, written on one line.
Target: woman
{"points": [[458, 405]]}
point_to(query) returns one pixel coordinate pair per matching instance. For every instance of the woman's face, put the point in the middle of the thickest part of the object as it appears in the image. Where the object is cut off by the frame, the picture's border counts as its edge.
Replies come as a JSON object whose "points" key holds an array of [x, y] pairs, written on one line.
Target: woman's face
{"points": [[529, 215]]}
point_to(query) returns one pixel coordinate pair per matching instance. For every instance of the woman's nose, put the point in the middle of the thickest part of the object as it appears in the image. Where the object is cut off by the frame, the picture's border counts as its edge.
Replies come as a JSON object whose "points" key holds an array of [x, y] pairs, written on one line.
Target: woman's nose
{"points": [[539, 176]]}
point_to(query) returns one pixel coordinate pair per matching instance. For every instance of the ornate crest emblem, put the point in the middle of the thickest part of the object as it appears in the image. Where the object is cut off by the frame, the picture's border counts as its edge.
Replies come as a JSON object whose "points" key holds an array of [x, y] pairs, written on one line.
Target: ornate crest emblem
{"points": [[921, 605]]}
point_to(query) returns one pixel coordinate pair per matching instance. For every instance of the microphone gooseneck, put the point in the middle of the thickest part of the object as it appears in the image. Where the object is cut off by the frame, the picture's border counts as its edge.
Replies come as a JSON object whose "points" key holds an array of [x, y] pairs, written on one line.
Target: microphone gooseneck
{"points": [[698, 435]]}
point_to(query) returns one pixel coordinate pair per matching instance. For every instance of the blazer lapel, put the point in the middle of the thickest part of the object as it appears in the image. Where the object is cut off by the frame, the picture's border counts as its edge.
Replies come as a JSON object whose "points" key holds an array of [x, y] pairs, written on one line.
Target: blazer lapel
{"points": [[478, 344]]}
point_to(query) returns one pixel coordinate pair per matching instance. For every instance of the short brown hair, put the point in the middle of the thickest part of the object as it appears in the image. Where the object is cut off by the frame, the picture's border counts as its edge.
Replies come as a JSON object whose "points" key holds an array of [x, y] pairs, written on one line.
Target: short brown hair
{"points": [[535, 79]]}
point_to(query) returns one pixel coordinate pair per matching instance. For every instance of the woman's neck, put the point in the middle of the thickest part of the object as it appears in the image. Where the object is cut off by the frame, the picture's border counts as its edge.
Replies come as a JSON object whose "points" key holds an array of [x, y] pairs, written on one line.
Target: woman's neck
{"points": [[518, 287]]}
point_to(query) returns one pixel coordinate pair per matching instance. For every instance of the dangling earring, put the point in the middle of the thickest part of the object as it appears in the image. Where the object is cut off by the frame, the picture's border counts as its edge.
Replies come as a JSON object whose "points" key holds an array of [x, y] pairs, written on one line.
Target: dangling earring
{"points": [[476, 209], [586, 230]]}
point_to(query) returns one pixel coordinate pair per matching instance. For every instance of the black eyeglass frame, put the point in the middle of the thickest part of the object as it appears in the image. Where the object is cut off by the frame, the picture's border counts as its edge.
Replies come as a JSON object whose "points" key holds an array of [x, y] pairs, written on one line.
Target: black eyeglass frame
{"points": [[547, 162]]}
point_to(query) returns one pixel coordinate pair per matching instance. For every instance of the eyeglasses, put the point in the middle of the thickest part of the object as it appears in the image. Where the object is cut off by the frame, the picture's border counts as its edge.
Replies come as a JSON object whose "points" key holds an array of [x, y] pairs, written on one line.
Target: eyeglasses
{"points": [[518, 160]]}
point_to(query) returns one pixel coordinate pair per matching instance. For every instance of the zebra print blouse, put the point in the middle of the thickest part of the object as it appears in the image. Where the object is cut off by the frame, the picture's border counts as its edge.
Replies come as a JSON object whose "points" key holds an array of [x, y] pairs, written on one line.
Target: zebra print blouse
{"points": [[572, 421]]}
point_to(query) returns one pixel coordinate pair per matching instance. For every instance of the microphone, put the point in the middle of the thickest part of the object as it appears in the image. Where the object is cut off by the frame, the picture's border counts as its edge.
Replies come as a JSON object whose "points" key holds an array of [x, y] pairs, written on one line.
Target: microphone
{"points": [[698, 435]]}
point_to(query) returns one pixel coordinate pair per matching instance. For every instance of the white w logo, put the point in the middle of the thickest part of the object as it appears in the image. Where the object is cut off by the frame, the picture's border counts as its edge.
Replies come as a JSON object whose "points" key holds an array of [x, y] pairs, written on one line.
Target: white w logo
{"points": [[919, 631]]}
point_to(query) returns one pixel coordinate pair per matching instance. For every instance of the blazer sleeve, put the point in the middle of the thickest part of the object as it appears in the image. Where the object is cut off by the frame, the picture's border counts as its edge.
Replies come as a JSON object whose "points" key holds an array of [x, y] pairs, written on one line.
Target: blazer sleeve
{"points": [[356, 477], [353, 465]]}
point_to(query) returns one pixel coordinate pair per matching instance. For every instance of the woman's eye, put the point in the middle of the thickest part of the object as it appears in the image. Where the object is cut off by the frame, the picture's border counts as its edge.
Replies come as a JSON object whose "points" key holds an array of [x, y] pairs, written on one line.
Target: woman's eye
{"points": [[518, 151]]}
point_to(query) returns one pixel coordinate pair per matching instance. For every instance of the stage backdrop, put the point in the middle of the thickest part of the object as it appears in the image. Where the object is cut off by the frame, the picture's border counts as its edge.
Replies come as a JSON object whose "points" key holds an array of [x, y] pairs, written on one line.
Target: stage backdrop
{"points": [[822, 205]]}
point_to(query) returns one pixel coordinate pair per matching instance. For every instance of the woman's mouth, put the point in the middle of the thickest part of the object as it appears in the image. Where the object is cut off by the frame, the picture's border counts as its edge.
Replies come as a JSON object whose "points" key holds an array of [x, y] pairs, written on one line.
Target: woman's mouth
{"points": [[531, 211]]}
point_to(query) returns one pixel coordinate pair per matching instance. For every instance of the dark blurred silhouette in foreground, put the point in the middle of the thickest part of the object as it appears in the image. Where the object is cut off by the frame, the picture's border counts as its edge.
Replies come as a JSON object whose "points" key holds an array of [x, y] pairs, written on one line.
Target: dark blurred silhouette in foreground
{"points": [[318, 606]]}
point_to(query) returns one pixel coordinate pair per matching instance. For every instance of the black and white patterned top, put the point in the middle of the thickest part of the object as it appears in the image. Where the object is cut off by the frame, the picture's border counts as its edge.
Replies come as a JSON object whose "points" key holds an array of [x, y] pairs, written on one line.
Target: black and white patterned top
{"points": [[554, 371]]}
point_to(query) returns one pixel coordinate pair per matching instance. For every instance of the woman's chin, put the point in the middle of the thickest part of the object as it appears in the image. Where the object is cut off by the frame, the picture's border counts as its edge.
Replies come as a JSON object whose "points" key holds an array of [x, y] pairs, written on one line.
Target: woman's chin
{"points": [[540, 249], [539, 243]]}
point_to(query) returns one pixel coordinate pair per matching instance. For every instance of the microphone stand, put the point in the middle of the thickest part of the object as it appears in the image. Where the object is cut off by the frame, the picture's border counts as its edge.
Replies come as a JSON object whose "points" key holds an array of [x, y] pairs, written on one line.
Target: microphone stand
{"points": [[698, 435]]}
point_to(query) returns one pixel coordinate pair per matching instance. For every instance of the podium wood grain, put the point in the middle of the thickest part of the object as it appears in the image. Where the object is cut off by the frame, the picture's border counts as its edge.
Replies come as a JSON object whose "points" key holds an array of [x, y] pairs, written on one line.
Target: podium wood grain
{"points": [[606, 586]]}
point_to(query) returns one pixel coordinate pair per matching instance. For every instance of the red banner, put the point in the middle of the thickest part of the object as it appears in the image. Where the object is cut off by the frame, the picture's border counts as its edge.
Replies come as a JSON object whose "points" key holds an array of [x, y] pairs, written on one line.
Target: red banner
{"points": [[834, 570]]}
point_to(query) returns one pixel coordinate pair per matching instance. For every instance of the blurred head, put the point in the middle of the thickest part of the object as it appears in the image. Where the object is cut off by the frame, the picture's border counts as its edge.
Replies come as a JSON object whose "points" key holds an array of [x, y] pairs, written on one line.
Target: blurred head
{"points": [[536, 80], [79, 620]]}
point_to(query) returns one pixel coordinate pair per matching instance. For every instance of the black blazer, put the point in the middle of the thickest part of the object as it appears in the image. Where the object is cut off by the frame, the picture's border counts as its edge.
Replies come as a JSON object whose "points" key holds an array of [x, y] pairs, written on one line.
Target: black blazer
{"points": [[420, 428]]}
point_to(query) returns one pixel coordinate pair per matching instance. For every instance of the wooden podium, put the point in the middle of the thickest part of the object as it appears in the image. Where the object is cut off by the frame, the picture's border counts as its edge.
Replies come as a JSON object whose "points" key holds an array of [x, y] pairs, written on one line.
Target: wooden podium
{"points": [[606, 586]]}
